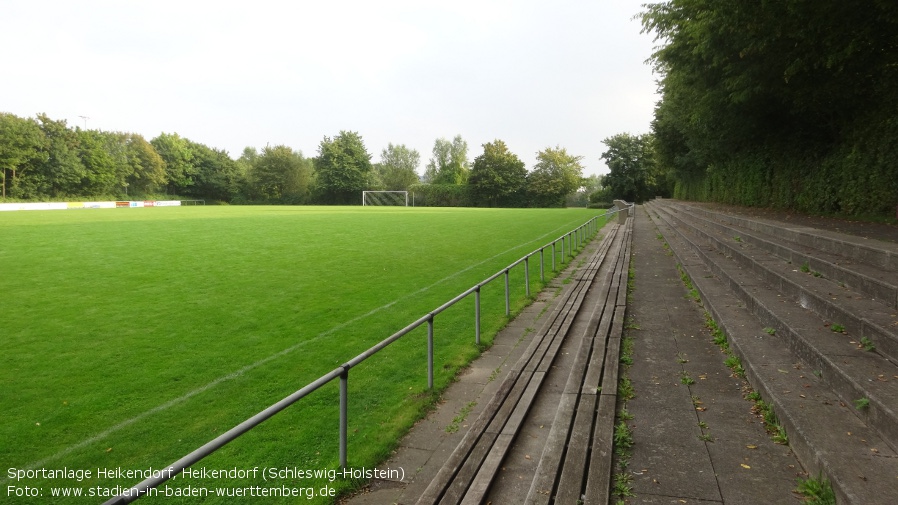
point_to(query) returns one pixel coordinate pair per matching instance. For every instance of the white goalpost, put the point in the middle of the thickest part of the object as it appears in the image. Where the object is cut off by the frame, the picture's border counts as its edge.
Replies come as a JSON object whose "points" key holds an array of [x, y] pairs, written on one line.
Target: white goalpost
{"points": [[385, 198]]}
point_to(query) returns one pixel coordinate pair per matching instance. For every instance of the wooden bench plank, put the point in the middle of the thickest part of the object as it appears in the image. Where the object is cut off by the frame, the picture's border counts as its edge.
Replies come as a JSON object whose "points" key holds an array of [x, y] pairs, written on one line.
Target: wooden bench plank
{"points": [[459, 486], [542, 487], [598, 482], [481, 483], [575, 459]]}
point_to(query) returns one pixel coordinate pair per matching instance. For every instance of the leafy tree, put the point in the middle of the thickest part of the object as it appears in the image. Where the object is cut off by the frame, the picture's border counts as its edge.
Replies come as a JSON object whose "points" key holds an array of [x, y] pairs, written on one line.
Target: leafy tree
{"points": [[776, 102], [216, 176], [634, 175], [60, 170], [580, 198], [449, 164], [556, 175], [178, 157], [117, 145], [21, 143], [281, 174], [99, 165], [147, 167], [498, 177], [398, 167], [342, 168]]}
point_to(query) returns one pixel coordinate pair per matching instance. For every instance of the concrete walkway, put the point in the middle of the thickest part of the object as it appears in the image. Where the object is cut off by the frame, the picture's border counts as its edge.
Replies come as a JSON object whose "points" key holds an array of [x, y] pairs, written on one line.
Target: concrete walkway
{"points": [[700, 442]]}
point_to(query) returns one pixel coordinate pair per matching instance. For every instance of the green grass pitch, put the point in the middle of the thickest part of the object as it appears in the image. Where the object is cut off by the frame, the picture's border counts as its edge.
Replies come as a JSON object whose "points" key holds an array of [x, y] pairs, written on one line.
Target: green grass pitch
{"points": [[133, 336]]}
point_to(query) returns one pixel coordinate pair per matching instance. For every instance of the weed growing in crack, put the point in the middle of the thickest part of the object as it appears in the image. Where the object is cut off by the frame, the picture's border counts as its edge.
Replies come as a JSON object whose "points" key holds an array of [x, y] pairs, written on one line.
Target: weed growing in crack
{"points": [[460, 418], [735, 364], [867, 344], [816, 491], [765, 411], [625, 389]]}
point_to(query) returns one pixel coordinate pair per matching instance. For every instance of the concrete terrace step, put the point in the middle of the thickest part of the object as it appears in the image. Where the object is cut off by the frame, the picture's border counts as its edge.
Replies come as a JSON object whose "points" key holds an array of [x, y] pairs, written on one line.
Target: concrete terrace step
{"points": [[852, 372], [871, 280], [872, 252], [746, 293], [836, 304]]}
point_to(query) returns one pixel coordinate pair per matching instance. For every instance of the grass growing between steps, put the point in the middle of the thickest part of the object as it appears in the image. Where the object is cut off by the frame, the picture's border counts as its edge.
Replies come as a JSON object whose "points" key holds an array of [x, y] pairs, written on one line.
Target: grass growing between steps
{"points": [[734, 363], [816, 491]]}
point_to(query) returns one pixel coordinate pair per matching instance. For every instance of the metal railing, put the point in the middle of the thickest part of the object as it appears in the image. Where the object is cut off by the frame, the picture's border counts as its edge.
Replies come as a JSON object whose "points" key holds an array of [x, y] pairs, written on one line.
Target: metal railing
{"points": [[576, 236]]}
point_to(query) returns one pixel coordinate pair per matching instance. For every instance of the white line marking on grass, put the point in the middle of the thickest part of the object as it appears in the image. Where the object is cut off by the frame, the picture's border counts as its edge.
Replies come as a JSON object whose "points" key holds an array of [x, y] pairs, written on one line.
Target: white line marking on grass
{"points": [[233, 375]]}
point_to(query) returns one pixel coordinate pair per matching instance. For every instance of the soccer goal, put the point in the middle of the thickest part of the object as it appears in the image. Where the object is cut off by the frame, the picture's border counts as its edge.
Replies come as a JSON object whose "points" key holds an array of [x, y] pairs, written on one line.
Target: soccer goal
{"points": [[385, 198]]}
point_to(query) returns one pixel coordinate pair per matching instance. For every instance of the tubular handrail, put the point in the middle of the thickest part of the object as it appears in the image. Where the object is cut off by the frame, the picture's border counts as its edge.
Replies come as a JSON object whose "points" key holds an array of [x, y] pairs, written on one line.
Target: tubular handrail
{"points": [[342, 372]]}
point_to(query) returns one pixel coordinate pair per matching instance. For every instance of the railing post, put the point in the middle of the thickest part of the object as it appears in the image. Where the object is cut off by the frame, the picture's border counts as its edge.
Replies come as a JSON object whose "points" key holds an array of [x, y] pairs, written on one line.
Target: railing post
{"points": [[477, 315], [553, 255], [527, 274], [542, 265], [562, 250], [430, 352], [507, 299], [344, 421]]}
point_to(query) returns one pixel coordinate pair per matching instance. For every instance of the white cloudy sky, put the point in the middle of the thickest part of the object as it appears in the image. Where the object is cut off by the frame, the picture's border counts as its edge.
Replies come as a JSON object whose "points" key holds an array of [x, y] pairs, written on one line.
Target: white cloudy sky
{"points": [[231, 74]]}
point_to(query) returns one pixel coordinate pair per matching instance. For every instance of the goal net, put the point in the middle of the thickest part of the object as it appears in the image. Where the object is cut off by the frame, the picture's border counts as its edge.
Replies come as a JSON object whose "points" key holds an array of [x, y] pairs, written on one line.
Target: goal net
{"points": [[385, 198]]}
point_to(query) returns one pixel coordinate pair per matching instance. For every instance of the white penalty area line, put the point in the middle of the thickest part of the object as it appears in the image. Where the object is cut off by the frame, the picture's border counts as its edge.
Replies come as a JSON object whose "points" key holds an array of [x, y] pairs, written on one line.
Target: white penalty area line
{"points": [[238, 373]]}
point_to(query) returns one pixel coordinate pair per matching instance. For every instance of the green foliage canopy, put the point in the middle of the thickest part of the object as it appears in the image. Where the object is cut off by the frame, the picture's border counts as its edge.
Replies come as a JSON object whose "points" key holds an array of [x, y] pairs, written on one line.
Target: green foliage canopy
{"points": [[342, 168], [634, 175], [398, 167], [498, 177], [449, 164], [556, 175], [788, 103], [178, 157], [21, 142], [280, 173]]}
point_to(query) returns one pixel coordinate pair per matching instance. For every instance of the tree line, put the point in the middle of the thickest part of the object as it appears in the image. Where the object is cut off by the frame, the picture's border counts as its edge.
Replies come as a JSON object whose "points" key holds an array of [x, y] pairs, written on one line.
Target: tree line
{"points": [[44, 159], [789, 103]]}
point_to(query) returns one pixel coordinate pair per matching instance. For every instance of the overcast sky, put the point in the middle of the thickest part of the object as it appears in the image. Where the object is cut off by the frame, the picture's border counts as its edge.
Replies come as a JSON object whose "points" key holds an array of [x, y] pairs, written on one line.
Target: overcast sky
{"points": [[231, 74]]}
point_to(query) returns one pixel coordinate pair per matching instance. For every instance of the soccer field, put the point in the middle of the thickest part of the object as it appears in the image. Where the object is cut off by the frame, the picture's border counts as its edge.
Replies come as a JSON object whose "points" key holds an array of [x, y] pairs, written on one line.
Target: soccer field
{"points": [[133, 336]]}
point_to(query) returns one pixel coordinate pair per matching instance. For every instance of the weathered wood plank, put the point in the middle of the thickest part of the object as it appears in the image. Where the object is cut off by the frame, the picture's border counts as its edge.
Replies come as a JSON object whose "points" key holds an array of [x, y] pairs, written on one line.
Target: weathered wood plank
{"points": [[598, 482], [575, 459], [542, 487]]}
